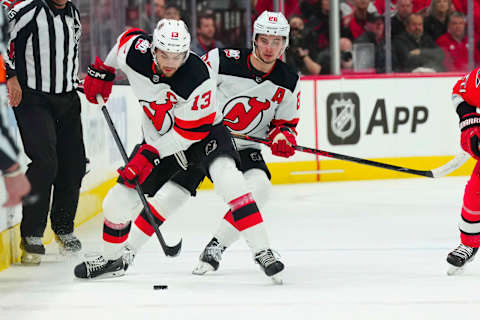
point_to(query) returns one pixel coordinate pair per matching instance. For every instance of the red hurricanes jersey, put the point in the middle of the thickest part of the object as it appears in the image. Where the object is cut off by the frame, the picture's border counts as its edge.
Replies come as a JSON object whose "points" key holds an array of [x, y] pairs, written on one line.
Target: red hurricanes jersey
{"points": [[467, 89], [253, 102]]}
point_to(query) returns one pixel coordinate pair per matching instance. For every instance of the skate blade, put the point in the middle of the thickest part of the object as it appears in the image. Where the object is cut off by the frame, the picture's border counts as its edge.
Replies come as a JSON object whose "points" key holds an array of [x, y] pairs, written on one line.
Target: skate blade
{"points": [[454, 271], [108, 275], [30, 259], [202, 268], [276, 279]]}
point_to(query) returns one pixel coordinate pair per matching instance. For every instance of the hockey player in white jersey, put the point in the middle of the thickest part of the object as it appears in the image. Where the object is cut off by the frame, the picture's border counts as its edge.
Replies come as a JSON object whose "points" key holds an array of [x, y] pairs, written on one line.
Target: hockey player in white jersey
{"points": [[258, 94], [182, 129]]}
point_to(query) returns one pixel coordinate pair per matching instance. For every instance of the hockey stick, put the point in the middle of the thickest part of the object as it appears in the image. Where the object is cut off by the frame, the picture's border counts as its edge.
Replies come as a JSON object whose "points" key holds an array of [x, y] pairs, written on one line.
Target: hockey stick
{"points": [[169, 251], [450, 166]]}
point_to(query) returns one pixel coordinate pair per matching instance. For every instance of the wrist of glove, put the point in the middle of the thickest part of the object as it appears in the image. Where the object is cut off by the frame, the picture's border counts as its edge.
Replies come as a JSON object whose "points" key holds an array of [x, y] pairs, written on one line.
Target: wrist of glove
{"points": [[283, 142], [470, 136], [140, 166], [99, 80]]}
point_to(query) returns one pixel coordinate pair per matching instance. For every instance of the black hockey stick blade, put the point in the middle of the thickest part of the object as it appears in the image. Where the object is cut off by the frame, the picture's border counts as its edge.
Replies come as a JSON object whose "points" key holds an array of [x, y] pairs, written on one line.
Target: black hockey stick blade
{"points": [[450, 166], [168, 250]]}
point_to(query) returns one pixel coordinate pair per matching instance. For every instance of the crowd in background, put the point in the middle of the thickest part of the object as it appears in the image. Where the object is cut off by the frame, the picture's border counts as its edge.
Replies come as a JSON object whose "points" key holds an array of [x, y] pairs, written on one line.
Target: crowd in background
{"points": [[427, 35]]}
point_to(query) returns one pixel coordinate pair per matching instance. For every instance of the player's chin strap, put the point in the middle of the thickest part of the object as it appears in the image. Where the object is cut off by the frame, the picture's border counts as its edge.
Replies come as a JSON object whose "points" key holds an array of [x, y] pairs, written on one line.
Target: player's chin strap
{"points": [[169, 251], [447, 168]]}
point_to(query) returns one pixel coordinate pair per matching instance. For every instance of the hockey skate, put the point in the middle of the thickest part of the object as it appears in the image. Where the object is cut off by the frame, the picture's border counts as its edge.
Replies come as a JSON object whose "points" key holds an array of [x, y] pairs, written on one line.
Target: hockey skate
{"points": [[210, 258], [99, 268], [68, 244], [459, 257], [270, 265], [32, 250]]}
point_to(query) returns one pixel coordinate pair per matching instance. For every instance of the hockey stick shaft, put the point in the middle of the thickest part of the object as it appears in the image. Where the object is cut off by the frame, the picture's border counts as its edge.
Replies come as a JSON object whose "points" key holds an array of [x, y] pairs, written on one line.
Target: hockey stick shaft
{"points": [[169, 251], [453, 164]]}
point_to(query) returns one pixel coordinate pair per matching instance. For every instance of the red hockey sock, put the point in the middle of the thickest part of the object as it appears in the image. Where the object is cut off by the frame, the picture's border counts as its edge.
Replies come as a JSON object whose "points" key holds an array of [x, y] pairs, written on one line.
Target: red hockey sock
{"points": [[142, 221], [245, 213], [470, 223]]}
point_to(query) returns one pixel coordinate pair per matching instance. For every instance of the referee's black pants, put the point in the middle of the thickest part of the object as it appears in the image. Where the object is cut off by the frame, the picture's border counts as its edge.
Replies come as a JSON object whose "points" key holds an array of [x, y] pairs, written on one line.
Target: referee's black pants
{"points": [[51, 131]]}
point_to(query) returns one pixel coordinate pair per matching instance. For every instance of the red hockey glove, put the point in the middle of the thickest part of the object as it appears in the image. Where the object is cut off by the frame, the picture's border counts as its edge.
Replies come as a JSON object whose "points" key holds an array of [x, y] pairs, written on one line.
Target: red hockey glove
{"points": [[283, 142], [99, 80], [140, 166], [470, 127]]}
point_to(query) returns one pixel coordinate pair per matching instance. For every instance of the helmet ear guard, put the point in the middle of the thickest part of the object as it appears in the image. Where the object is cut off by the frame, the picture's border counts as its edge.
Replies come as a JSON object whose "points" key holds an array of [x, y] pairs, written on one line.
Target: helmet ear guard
{"points": [[271, 23], [171, 36]]}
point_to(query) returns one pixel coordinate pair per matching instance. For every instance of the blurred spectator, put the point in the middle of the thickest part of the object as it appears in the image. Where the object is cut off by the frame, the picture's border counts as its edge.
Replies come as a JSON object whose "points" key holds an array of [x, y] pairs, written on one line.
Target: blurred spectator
{"points": [[158, 10], [301, 52], [348, 6], [380, 5], [290, 7], [435, 23], [375, 34], [205, 40], [413, 49], [357, 20], [318, 12], [455, 44], [132, 16], [420, 6], [346, 58], [172, 11], [404, 9]]}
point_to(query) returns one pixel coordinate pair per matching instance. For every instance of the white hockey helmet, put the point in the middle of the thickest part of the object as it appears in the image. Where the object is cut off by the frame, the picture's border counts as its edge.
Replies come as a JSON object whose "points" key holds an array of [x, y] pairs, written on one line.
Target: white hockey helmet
{"points": [[273, 23], [171, 36]]}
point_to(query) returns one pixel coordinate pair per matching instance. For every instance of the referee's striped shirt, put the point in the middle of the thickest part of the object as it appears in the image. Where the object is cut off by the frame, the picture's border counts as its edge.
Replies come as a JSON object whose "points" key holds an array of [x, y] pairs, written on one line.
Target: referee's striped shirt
{"points": [[8, 148], [43, 46]]}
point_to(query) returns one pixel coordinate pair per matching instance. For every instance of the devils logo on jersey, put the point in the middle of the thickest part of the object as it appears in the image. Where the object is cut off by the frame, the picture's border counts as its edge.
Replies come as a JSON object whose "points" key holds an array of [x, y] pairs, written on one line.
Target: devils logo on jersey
{"points": [[243, 114], [159, 113], [232, 53]]}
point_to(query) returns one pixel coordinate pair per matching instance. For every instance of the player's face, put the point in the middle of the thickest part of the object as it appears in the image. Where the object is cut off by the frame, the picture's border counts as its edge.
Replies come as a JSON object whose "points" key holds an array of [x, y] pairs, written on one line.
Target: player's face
{"points": [[269, 47], [169, 62]]}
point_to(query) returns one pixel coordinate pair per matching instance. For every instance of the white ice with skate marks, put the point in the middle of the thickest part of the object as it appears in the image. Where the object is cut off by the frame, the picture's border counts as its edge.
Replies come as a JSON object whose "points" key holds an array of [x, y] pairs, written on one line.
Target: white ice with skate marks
{"points": [[355, 250]]}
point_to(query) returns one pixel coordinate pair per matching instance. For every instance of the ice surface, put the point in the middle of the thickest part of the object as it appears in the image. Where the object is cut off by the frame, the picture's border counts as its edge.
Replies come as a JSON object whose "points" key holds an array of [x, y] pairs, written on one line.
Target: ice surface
{"points": [[353, 250]]}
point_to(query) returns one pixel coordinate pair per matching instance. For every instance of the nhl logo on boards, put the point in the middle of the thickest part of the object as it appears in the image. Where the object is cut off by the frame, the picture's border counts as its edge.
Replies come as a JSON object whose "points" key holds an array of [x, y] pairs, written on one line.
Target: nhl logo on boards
{"points": [[210, 147], [256, 156], [343, 118]]}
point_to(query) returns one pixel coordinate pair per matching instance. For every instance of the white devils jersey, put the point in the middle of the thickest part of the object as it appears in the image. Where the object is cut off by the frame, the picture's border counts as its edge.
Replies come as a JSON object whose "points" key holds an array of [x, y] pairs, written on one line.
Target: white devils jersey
{"points": [[253, 102], [177, 111]]}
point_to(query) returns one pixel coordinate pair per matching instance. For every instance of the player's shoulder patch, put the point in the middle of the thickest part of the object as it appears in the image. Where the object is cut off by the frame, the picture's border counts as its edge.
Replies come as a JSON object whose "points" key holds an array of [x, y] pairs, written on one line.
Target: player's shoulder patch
{"points": [[233, 61], [189, 76], [284, 75], [139, 56]]}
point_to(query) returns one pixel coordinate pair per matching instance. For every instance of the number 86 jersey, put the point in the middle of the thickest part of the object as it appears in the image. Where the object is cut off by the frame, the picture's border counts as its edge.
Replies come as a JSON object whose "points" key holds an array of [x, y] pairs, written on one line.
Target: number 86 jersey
{"points": [[253, 102], [177, 111]]}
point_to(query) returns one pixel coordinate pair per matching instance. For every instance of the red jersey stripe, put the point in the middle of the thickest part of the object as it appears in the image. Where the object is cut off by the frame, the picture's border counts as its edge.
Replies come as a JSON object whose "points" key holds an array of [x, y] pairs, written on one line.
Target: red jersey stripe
{"points": [[190, 135], [192, 124]]}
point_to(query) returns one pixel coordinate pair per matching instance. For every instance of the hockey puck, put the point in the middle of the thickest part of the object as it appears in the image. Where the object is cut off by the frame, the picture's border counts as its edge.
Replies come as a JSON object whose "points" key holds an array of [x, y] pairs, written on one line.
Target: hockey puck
{"points": [[160, 287]]}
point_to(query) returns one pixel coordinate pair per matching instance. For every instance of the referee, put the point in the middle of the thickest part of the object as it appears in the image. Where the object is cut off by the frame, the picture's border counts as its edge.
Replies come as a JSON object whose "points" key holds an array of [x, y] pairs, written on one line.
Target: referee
{"points": [[41, 75], [16, 184]]}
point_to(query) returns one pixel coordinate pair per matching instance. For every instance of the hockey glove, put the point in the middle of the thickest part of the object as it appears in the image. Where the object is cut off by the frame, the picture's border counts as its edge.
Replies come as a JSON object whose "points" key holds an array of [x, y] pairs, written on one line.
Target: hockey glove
{"points": [[99, 80], [283, 142], [140, 166], [470, 127]]}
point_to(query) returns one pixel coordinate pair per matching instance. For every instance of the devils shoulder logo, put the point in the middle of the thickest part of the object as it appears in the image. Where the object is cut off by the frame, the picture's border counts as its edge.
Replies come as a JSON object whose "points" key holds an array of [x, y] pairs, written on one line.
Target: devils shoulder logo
{"points": [[244, 114], [142, 45], [229, 53]]}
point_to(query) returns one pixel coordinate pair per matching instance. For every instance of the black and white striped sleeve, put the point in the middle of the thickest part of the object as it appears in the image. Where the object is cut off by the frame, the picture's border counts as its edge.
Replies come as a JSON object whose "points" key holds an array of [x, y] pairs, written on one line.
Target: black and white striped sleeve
{"points": [[20, 15], [8, 149]]}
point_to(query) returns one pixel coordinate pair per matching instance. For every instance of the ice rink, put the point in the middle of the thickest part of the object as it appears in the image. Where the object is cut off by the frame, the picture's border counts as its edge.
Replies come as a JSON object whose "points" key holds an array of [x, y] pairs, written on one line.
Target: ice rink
{"points": [[353, 250]]}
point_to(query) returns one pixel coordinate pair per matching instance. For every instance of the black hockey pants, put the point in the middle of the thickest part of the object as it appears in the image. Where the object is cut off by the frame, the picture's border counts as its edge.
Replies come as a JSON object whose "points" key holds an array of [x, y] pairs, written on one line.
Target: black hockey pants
{"points": [[51, 131]]}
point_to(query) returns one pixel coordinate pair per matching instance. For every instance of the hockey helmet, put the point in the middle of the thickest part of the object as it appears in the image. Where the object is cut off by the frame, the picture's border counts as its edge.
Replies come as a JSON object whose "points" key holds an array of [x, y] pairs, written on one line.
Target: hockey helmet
{"points": [[273, 23], [171, 36]]}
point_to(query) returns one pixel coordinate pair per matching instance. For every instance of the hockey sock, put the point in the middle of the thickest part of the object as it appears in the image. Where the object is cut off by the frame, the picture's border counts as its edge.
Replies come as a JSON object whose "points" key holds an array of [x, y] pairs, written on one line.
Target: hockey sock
{"points": [[142, 229], [469, 224], [248, 221], [114, 235]]}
